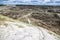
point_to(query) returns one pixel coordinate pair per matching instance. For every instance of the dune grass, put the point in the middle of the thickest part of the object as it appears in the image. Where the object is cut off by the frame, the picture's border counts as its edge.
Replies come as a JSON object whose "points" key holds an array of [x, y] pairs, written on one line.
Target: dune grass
{"points": [[4, 18]]}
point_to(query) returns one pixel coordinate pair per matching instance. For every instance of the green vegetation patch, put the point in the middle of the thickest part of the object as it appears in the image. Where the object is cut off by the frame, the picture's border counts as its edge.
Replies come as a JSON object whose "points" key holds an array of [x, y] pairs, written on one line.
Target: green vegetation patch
{"points": [[4, 18]]}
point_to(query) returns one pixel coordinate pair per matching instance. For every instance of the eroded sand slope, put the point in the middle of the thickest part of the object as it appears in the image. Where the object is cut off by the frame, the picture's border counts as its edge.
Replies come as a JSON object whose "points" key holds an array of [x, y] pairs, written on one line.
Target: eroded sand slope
{"points": [[16, 30]]}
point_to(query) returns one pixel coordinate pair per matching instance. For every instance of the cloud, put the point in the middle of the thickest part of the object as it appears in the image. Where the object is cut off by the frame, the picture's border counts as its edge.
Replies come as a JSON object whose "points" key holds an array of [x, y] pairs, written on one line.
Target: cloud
{"points": [[47, 0], [33, 2]]}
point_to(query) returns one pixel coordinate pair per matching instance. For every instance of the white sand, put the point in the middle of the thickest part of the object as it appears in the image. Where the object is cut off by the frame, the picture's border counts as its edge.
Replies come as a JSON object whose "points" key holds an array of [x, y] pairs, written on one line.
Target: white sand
{"points": [[22, 31]]}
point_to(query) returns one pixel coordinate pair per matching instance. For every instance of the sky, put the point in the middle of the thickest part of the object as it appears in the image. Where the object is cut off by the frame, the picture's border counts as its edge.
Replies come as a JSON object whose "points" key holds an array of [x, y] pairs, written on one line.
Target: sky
{"points": [[31, 2]]}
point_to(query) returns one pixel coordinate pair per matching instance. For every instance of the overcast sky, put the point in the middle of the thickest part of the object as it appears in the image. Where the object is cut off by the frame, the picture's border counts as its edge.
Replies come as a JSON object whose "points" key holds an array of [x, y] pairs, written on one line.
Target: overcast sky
{"points": [[31, 2]]}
